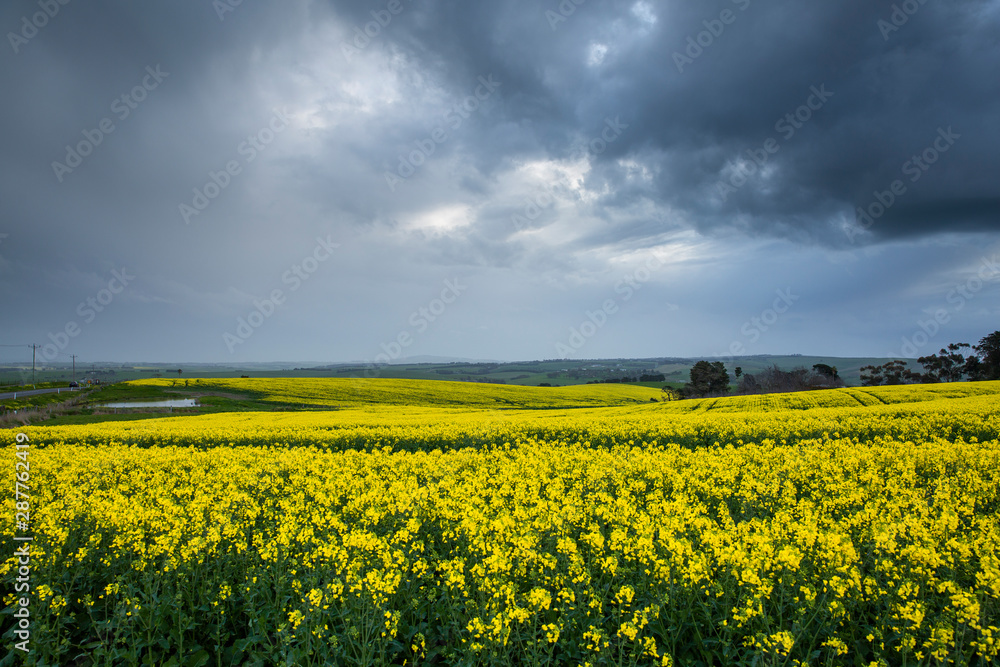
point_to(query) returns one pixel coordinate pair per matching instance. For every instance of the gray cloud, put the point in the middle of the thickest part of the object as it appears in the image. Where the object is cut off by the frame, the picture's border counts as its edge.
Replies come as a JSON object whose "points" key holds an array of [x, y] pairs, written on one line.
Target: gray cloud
{"points": [[592, 111]]}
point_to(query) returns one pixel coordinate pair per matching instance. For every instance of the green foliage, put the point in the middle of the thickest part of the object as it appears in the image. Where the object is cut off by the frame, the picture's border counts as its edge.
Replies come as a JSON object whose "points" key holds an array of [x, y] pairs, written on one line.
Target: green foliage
{"points": [[989, 355], [826, 371], [707, 378], [890, 373]]}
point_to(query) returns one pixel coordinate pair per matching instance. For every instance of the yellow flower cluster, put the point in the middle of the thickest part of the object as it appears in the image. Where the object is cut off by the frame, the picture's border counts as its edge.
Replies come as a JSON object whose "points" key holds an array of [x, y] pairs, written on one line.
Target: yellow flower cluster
{"points": [[621, 535], [959, 411]]}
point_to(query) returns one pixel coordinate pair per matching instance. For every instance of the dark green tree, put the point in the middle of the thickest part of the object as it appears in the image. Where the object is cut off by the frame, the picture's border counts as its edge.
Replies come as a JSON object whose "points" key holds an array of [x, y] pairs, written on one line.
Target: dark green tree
{"points": [[974, 368], [707, 378], [871, 376], [892, 372], [670, 394], [988, 350], [948, 365], [895, 372], [826, 371]]}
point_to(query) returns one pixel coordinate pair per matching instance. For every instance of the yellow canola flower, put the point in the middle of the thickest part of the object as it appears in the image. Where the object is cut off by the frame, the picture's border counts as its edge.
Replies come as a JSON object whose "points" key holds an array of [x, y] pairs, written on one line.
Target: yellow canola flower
{"points": [[594, 527]]}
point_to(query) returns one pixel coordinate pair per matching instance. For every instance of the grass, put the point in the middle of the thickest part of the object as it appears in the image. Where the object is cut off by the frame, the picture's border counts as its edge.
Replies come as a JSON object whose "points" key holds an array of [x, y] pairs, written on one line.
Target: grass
{"points": [[39, 400]]}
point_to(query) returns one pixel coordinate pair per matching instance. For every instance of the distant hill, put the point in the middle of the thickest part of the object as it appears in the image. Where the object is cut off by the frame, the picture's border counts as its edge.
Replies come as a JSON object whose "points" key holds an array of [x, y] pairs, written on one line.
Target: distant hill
{"points": [[565, 372], [556, 372], [849, 368]]}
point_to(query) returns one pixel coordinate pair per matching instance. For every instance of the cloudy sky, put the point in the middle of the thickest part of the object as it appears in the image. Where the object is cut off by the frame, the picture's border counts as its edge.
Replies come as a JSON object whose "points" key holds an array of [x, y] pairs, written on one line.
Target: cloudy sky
{"points": [[521, 179]]}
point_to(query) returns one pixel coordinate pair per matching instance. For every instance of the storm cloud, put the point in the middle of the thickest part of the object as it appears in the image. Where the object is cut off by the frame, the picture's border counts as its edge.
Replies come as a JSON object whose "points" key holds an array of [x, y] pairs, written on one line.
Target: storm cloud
{"points": [[298, 180]]}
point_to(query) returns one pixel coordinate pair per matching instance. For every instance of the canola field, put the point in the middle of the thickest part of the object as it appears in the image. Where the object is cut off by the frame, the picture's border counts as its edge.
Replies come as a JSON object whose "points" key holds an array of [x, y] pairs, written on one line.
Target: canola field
{"points": [[364, 392], [839, 527]]}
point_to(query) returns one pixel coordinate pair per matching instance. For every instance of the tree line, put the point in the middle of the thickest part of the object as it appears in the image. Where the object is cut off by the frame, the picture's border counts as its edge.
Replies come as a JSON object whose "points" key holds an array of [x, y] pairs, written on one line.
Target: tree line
{"points": [[710, 378], [955, 363]]}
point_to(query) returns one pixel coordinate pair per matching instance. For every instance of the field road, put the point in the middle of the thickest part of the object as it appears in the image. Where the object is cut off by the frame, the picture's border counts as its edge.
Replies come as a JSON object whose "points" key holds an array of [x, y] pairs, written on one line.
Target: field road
{"points": [[34, 392]]}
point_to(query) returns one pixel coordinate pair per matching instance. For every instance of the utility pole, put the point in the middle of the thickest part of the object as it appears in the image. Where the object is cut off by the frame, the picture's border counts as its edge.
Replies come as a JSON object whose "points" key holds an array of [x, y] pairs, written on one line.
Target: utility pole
{"points": [[74, 367], [33, 366]]}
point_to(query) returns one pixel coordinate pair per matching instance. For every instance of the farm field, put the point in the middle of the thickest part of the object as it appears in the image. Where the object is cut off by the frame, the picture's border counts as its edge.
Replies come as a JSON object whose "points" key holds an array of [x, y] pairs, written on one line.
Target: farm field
{"points": [[398, 392], [558, 372], [419, 522]]}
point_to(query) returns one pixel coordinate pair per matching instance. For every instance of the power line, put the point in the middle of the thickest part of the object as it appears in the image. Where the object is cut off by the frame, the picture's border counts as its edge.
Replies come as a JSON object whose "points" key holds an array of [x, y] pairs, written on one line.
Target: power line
{"points": [[34, 349]]}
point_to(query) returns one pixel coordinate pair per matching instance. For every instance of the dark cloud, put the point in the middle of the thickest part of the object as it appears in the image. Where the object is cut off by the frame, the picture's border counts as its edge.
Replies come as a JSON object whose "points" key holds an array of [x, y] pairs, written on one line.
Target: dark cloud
{"points": [[891, 91], [605, 144]]}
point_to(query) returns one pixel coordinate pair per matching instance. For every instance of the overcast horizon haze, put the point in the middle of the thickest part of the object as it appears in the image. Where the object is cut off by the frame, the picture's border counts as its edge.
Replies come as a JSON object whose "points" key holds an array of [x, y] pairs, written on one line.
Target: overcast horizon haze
{"points": [[233, 182]]}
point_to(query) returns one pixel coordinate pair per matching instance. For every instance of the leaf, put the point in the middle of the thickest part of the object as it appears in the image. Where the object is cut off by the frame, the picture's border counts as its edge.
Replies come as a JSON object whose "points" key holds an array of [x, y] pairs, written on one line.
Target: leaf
{"points": [[199, 659]]}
